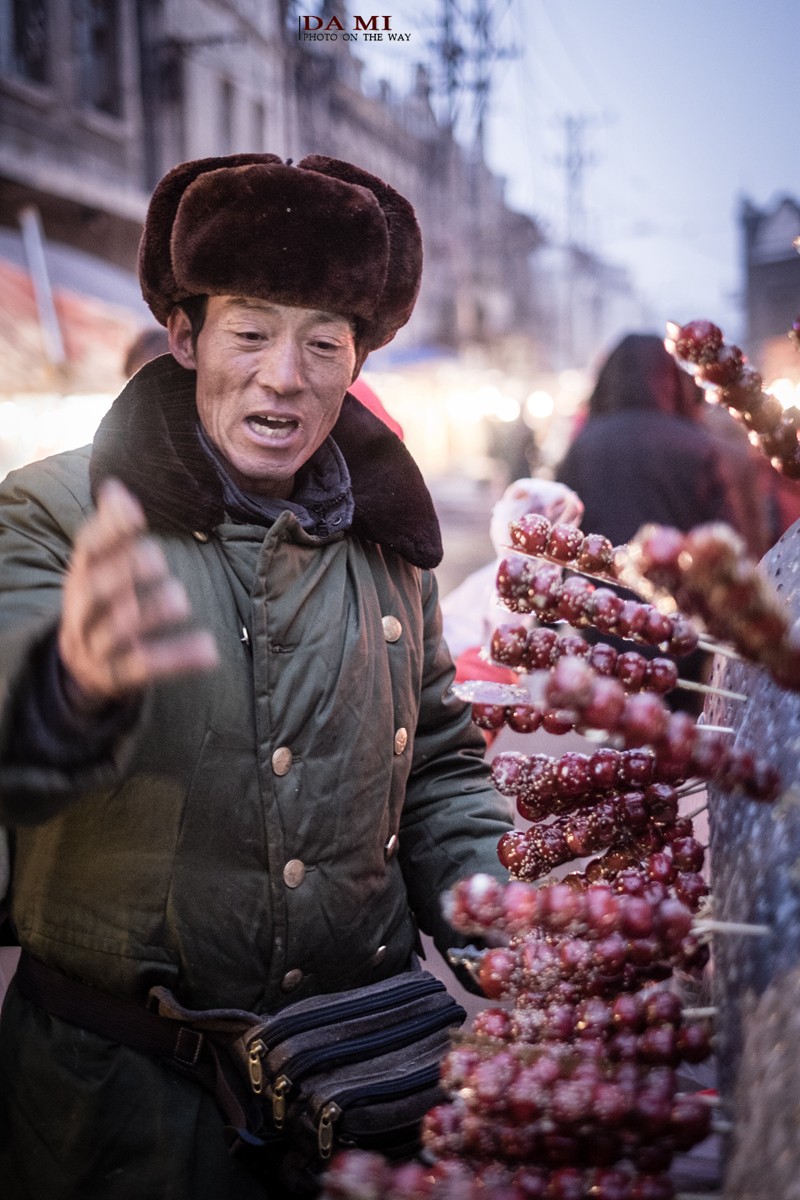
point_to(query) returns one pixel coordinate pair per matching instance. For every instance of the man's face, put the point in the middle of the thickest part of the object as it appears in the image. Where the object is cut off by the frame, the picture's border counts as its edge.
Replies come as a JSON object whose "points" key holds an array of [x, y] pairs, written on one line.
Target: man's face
{"points": [[270, 384]]}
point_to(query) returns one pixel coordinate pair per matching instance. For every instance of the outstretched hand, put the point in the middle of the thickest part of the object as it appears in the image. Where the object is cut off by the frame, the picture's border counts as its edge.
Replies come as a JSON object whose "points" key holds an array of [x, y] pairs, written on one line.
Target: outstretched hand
{"points": [[124, 621]]}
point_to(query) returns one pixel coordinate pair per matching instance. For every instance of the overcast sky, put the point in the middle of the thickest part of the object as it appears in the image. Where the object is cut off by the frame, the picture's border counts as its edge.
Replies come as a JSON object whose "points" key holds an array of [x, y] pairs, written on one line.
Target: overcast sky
{"points": [[686, 107]]}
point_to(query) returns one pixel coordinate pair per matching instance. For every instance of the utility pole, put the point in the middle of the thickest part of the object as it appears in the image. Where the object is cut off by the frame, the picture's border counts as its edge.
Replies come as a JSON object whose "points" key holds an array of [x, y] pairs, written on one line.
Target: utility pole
{"points": [[574, 161]]}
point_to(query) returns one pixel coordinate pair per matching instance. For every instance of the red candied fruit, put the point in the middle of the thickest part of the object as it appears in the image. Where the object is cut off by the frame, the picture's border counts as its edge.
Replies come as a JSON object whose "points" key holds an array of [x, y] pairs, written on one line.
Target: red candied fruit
{"points": [[739, 395], [690, 1121], [661, 675], [571, 683], [561, 907], [663, 1007], [607, 703], [694, 1042], [635, 768], [546, 589], [662, 803], [691, 889], [515, 583], [576, 593], [508, 643], [687, 854], [520, 907], [496, 972], [657, 549], [657, 627], [573, 645], [631, 670], [603, 767], [492, 1023], [603, 658], [724, 370], [540, 648], [564, 542], [683, 636], [633, 810], [557, 721], [523, 718], [764, 413], [573, 774], [604, 609], [596, 554], [488, 716], [698, 341], [678, 741], [530, 532], [782, 440], [632, 618], [644, 719], [509, 772], [511, 850]]}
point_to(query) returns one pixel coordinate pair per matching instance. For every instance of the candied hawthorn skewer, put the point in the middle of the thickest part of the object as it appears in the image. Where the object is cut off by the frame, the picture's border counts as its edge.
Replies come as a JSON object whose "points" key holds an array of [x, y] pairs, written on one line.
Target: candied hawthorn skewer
{"points": [[727, 378], [525, 586], [565, 545], [711, 576], [540, 648]]}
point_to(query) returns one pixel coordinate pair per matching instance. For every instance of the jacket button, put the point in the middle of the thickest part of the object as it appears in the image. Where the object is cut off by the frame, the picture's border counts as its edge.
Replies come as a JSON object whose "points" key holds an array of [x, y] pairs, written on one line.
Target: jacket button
{"points": [[281, 760], [291, 979], [400, 740], [294, 873], [390, 849], [391, 628], [379, 955], [200, 536]]}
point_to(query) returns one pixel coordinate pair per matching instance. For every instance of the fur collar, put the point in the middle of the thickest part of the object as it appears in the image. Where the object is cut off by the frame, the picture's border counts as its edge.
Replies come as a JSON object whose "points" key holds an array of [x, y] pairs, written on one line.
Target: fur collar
{"points": [[148, 441]]}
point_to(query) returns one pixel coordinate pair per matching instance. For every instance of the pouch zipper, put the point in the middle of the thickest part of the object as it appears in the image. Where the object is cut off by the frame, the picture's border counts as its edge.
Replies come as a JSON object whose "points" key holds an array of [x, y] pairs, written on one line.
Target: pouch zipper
{"points": [[313, 1061], [280, 1029], [328, 1014], [333, 1109]]}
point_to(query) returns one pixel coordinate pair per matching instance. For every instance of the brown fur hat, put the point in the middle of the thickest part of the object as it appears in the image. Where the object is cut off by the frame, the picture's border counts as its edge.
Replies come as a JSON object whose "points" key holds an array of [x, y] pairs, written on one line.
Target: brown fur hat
{"points": [[322, 234]]}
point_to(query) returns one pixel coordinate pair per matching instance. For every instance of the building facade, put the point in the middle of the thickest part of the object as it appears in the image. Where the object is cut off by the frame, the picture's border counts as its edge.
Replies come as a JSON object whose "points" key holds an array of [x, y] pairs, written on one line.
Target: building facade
{"points": [[772, 286]]}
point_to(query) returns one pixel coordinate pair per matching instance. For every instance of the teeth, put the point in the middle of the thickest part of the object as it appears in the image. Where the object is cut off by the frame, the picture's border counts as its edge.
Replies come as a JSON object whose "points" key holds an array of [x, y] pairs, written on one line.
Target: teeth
{"points": [[273, 422]]}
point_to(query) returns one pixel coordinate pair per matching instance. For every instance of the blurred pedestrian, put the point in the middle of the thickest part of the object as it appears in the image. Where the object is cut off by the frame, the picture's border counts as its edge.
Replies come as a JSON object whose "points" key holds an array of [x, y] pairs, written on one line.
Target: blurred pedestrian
{"points": [[645, 455], [147, 345], [371, 400]]}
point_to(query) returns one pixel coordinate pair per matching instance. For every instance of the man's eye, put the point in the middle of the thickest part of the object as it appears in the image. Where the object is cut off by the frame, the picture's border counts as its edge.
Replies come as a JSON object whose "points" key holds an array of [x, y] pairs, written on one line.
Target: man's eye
{"points": [[322, 344], [250, 335]]}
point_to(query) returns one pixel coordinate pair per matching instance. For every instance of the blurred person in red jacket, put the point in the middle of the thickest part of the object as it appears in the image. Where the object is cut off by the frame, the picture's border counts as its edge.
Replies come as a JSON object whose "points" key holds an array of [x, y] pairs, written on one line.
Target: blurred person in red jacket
{"points": [[472, 611]]}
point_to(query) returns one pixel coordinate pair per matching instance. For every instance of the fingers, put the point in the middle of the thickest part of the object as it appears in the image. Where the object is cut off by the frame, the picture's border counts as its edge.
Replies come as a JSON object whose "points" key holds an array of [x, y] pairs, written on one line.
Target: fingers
{"points": [[124, 616], [147, 661], [118, 519]]}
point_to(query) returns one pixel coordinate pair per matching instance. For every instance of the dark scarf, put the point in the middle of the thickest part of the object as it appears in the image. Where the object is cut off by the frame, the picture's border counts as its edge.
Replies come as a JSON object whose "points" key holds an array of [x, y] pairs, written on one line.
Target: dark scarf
{"points": [[149, 441], [322, 499]]}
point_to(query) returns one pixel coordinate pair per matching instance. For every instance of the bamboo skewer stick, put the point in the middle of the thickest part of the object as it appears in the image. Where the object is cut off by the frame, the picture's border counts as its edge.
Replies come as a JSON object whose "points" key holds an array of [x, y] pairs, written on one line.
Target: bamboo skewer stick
{"points": [[714, 647], [709, 925], [710, 689]]}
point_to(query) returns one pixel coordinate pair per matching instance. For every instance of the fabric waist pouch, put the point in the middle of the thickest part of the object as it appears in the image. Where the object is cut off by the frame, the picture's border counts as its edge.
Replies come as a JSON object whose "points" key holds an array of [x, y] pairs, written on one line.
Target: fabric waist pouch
{"points": [[354, 1068]]}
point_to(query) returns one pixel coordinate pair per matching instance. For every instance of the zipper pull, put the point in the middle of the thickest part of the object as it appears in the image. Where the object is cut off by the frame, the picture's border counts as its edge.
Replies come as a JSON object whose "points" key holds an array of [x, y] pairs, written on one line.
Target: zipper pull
{"points": [[330, 1113], [280, 1090], [254, 1052]]}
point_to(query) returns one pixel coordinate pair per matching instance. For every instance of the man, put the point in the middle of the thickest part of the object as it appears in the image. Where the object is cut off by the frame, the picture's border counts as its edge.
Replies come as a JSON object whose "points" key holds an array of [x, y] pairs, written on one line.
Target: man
{"points": [[230, 761]]}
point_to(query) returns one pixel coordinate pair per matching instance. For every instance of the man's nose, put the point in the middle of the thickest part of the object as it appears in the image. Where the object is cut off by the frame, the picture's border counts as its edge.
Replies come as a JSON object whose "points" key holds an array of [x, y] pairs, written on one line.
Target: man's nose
{"points": [[280, 367]]}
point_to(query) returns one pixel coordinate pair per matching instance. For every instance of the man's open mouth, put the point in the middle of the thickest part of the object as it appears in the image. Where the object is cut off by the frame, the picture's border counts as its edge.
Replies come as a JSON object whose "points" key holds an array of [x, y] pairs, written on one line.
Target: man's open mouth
{"points": [[274, 425]]}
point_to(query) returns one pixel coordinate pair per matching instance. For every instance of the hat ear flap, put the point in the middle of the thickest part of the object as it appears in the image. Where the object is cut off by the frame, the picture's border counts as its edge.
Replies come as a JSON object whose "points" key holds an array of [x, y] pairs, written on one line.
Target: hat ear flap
{"points": [[405, 249], [159, 288]]}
